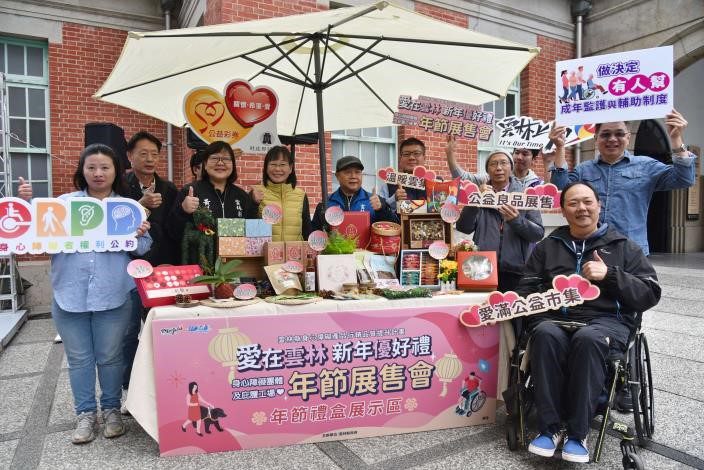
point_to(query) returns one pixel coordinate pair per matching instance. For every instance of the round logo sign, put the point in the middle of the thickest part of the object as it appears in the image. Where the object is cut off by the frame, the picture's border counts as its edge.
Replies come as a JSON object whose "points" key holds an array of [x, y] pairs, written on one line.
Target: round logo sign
{"points": [[272, 214], [450, 213], [245, 291], [318, 240], [139, 268], [438, 249], [293, 267], [334, 215]]}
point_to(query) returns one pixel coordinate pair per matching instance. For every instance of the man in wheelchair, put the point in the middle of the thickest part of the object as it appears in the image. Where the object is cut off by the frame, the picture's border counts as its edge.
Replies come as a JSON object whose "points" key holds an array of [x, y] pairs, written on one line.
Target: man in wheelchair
{"points": [[569, 366]]}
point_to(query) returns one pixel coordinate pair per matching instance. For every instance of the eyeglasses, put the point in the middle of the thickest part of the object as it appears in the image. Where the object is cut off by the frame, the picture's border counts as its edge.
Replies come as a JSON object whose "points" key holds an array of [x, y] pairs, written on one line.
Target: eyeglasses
{"points": [[214, 159], [617, 134], [417, 153], [496, 163]]}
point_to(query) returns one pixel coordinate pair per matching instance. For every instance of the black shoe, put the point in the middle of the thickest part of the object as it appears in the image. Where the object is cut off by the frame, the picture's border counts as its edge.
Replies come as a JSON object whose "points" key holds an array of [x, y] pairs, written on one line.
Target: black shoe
{"points": [[624, 401]]}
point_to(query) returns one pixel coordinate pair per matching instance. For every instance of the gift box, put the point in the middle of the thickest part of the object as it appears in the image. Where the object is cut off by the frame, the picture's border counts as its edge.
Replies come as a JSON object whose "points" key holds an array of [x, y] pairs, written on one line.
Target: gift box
{"points": [[418, 269], [256, 228], [412, 206], [274, 253], [296, 251], [166, 282], [419, 231], [231, 227], [477, 270], [356, 224], [232, 246], [255, 245], [336, 270]]}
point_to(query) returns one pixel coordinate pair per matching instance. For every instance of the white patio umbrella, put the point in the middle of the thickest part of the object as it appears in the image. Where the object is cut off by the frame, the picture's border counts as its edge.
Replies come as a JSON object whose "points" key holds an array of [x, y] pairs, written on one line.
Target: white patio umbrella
{"points": [[337, 69]]}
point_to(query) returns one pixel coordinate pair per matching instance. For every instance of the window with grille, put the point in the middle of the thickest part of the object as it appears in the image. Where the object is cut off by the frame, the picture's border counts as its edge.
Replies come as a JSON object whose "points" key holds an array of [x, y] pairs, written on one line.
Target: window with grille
{"points": [[375, 146], [26, 72]]}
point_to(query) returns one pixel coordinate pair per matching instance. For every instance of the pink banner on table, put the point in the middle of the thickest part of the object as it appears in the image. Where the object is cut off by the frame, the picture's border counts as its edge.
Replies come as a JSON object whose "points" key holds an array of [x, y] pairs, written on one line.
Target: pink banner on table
{"points": [[279, 380]]}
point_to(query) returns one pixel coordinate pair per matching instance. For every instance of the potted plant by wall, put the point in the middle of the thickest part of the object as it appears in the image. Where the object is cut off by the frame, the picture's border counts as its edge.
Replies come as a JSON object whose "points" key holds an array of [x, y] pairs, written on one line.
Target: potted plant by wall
{"points": [[221, 278]]}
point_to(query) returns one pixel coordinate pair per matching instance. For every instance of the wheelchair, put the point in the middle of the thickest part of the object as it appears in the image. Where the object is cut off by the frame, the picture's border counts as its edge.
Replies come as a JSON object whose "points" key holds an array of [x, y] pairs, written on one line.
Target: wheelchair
{"points": [[631, 369]]}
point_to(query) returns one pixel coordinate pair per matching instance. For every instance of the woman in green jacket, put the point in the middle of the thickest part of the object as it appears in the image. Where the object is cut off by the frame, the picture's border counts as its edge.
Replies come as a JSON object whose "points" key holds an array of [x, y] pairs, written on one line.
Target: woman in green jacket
{"points": [[279, 187]]}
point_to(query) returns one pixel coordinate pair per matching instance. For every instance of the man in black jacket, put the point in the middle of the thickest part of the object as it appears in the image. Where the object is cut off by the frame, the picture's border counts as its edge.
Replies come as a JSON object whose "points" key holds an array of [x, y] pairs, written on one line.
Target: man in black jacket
{"points": [[569, 367], [157, 195]]}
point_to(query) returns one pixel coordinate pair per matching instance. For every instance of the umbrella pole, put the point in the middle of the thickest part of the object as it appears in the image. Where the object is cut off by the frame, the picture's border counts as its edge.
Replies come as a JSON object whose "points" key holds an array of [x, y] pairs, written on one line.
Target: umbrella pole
{"points": [[321, 120]]}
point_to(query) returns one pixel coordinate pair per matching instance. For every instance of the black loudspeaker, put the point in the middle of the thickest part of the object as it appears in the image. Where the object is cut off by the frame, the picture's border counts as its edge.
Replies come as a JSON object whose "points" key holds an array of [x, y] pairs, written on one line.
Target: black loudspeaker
{"points": [[193, 141], [111, 135]]}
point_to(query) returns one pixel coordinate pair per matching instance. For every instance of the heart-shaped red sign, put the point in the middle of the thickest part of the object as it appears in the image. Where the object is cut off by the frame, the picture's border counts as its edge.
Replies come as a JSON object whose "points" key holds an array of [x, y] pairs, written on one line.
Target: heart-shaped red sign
{"points": [[384, 172], [247, 106], [498, 297], [471, 317]]}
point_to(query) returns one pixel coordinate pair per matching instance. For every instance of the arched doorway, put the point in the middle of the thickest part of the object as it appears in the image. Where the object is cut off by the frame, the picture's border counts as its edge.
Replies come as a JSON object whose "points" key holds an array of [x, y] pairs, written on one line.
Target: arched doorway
{"points": [[652, 140]]}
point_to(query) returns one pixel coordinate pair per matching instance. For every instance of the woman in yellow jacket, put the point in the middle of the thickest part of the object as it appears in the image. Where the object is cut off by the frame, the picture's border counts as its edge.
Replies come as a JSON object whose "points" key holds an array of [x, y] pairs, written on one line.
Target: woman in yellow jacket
{"points": [[279, 187]]}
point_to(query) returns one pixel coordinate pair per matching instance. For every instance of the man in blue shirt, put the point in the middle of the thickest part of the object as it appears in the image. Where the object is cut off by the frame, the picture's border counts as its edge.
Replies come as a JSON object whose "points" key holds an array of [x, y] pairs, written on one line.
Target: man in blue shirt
{"points": [[626, 182], [350, 196]]}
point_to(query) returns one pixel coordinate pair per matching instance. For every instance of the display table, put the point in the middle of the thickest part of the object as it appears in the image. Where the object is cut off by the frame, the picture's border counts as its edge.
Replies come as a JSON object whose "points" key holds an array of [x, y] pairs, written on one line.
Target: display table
{"points": [[271, 375]]}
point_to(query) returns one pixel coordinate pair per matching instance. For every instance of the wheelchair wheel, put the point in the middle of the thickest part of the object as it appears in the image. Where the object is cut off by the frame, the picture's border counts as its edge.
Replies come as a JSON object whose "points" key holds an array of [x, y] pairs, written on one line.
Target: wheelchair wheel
{"points": [[478, 402], [643, 404], [632, 461]]}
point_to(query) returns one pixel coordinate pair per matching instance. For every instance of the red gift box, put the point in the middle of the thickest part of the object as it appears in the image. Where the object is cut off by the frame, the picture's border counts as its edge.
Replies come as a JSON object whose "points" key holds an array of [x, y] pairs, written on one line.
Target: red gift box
{"points": [[356, 224], [477, 270], [296, 251], [274, 253], [163, 285]]}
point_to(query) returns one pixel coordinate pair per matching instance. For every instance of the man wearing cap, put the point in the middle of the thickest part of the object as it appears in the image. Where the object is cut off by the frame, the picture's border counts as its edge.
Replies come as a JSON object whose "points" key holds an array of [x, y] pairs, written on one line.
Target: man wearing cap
{"points": [[521, 167], [350, 196], [505, 230]]}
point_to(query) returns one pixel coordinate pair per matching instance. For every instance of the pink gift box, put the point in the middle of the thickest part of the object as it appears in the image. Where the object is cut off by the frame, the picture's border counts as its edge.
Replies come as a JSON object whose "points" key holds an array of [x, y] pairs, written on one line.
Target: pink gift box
{"points": [[255, 245]]}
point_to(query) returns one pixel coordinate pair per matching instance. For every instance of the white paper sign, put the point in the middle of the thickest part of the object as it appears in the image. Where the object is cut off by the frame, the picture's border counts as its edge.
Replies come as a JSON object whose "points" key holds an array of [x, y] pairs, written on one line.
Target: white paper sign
{"points": [[615, 87]]}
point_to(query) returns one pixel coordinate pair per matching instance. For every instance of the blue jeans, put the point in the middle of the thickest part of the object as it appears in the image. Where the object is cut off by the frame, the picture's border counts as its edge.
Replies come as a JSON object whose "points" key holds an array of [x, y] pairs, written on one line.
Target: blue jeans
{"points": [[90, 339], [131, 337]]}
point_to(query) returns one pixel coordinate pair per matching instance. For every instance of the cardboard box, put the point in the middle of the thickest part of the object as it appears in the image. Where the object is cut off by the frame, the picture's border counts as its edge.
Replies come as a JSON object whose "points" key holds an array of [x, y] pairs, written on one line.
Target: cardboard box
{"points": [[255, 245], [274, 253], [297, 251], [356, 224], [256, 228], [336, 270], [232, 246], [477, 270], [231, 227]]}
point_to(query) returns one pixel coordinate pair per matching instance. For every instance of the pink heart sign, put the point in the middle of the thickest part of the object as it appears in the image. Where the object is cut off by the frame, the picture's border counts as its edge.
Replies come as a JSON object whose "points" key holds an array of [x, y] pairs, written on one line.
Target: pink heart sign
{"points": [[249, 106], [470, 317]]}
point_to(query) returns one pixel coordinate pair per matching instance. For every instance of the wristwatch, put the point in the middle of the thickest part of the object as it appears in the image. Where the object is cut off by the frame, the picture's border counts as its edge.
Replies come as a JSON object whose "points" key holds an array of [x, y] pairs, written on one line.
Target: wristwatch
{"points": [[681, 149]]}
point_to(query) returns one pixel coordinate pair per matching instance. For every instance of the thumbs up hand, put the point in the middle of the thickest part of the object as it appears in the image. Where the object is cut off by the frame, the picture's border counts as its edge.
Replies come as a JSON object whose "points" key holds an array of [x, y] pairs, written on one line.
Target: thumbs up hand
{"points": [[190, 202], [374, 200], [595, 270], [24, 189]]}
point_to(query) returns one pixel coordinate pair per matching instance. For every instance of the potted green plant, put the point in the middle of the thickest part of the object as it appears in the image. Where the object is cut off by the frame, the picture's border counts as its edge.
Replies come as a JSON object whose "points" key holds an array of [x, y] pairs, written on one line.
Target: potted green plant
{"points": [[221, 278]]}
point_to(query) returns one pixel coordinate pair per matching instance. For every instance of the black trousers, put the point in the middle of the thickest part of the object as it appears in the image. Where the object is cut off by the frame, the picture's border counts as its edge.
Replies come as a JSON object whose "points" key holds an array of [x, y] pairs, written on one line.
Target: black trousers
{"points": [[569, 371]]}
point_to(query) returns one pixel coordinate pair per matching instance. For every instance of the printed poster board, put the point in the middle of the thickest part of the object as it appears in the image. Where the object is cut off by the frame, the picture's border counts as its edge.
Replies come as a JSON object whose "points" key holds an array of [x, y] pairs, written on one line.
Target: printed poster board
{"points": [[302, 378]]}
